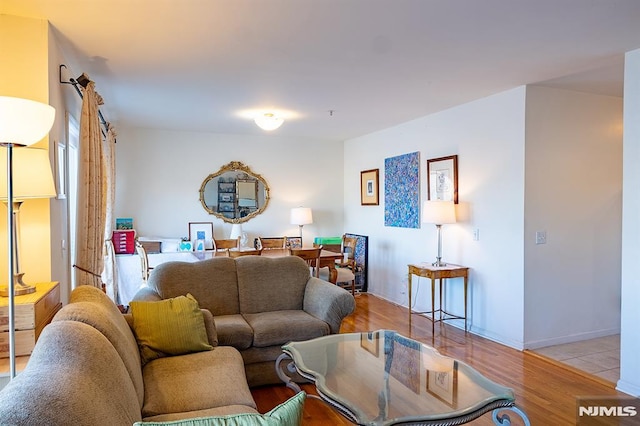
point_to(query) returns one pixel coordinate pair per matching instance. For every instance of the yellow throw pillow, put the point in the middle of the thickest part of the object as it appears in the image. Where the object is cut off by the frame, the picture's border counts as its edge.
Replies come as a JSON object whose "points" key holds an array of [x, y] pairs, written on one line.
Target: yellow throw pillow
{"points": [[169, 327]]}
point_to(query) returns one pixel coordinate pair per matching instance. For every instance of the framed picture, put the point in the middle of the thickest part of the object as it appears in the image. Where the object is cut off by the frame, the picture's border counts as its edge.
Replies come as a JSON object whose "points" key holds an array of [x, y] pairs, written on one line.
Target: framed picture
{"points": [[369, 342], [402, 190], [444, 384], [442, 179], [201, 231], [369, 187], [294, 242], [61, 170]]}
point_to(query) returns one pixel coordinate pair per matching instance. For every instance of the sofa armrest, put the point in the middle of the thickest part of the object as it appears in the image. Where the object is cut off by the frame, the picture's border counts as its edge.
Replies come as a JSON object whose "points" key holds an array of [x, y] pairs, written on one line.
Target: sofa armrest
{"points": [[328, 302], [210, 325], [146, 294]]}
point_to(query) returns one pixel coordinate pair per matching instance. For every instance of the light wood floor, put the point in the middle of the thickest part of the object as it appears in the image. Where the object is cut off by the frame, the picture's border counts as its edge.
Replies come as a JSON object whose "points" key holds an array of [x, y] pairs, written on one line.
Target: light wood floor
{"points": [[545, 391]]}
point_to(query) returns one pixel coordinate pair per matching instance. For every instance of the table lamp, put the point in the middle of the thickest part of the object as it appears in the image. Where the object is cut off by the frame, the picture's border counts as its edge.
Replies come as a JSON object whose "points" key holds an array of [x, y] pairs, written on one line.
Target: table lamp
{"points": [[439, 213], [22, 122], [301, 216], [237, 232]]}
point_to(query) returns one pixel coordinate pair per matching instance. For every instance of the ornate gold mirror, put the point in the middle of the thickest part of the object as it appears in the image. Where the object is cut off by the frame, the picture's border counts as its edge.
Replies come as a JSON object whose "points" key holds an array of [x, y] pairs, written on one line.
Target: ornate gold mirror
{"points": [[235, 193]]}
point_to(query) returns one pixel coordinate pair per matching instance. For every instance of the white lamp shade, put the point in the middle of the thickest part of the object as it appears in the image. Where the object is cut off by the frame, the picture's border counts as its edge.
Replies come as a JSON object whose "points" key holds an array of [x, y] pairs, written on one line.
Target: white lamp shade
{"points": [[438, 212], [24, 122], [236, 231], [268, 121], [32, 177], [301, 216]]}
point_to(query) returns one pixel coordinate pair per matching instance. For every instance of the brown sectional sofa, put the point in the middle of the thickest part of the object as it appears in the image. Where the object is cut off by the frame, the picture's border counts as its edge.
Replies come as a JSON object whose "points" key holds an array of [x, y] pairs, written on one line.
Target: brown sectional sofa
{"points": [[85, 370], [86, 367], [258, 304]]}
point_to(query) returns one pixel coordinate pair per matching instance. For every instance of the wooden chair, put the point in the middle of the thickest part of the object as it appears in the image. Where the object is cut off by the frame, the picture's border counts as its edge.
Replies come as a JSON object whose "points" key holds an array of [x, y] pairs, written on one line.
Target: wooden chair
{"points": [[239, 253], [225, 245], [346, 267], [269, 243], [349, 250], [309, 255], [144, 261]]}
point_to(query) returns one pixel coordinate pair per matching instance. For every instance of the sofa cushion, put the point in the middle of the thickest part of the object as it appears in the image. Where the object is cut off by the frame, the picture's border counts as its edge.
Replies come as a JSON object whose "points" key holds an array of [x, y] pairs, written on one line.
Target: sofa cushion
{"points": [[233, 330], [184, 383], [274, 327], [271, 284], [169, 327], [213, 282], [289, 413], [92, 306], [74, 377]]}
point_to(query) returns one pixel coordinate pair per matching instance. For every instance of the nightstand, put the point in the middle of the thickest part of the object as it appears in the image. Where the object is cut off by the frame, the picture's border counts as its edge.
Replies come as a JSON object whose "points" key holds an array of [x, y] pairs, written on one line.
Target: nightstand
{"points": [[32, 312]]}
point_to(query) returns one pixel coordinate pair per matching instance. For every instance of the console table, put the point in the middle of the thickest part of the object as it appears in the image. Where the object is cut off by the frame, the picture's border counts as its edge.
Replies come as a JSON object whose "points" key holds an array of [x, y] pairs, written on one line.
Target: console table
{"points": [[434, 273], [382, 378]]}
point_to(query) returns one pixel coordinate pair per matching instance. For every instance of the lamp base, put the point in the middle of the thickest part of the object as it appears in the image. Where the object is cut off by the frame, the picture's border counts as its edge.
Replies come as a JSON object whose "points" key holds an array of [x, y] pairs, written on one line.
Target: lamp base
{"points": [[19, 287], [438, 263]]}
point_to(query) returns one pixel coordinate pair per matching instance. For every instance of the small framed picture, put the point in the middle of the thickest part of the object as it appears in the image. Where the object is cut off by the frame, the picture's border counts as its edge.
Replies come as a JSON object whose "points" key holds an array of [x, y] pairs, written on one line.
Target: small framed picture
{"points": [[369, 187], [294, 242], [442, 179], [369, 342], [444, 384], [201, 231]]}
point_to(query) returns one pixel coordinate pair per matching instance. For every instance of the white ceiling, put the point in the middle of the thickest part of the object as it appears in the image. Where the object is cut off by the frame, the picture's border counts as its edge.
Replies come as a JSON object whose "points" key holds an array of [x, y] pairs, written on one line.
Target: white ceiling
{"points": [[198, 64]]}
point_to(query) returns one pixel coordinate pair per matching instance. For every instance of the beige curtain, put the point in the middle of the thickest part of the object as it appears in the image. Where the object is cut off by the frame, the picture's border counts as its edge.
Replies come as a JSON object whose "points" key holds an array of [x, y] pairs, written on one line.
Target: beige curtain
{"points": [[92, 193], [110, 272]]}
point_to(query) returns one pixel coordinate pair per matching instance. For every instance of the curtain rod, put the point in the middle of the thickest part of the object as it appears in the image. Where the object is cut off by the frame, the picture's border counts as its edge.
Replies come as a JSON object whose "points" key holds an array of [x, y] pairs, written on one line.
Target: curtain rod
{"points": [[83, 81]]}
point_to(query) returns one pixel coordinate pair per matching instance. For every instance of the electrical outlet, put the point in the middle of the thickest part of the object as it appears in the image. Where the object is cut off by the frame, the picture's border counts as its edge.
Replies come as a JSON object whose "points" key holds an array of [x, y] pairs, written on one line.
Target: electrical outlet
{"points": [[541, 237], [476, 234]]}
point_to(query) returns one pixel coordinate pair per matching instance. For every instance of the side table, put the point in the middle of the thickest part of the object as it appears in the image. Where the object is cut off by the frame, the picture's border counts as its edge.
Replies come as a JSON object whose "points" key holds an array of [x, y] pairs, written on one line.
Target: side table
{"points": [[32, 312], [434, 273]]}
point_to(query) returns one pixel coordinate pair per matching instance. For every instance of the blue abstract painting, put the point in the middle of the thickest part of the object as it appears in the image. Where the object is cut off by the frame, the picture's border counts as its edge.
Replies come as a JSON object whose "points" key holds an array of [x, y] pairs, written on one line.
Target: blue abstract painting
{"points": [[402, 191]]}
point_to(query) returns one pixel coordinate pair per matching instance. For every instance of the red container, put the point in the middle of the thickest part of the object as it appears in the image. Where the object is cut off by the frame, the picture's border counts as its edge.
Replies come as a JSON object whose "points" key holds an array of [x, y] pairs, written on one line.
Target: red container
{"points": [[123, 241]]}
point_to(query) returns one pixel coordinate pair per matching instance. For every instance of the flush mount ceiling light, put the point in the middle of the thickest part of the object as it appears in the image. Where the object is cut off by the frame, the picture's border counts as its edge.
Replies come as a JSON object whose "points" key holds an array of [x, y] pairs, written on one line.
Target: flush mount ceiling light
{"points": [[268, 121]]}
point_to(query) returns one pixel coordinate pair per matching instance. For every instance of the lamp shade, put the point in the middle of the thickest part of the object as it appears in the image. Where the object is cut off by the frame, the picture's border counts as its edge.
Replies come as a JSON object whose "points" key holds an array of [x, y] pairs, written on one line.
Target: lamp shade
{"points": [[24, 122], [438, 212], [236, 231], [268, 121], [301, 216], [32, 177]]}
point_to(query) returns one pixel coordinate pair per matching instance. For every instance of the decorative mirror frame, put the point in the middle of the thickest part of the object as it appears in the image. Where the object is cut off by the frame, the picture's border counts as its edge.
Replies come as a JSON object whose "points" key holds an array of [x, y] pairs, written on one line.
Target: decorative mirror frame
{"points": [[235, 166]]}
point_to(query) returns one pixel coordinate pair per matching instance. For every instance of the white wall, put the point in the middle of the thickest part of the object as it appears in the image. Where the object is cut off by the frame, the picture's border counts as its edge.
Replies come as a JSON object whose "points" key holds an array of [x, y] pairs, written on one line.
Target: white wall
{"points": [[159, 174], [629, 338], [488, 137], [573, 192]]}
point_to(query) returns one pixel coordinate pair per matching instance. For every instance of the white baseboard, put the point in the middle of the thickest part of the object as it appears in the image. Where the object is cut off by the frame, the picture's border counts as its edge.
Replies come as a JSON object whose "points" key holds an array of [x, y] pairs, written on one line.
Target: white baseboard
{"points": [[543, 343]]}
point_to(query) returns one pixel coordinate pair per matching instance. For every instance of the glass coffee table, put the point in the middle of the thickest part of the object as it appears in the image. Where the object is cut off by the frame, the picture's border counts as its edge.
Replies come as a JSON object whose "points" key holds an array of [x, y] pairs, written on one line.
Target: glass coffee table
{"points": [[384, 378]]}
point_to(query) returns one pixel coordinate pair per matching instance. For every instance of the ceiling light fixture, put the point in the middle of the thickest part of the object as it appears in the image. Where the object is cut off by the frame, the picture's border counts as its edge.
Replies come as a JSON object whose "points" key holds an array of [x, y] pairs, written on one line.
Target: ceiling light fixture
{"points": [[268, 121]]}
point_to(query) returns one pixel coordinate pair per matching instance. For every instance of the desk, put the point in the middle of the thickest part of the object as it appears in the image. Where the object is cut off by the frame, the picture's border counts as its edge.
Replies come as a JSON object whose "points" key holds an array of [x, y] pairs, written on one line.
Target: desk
{"points": [[427, 270]]}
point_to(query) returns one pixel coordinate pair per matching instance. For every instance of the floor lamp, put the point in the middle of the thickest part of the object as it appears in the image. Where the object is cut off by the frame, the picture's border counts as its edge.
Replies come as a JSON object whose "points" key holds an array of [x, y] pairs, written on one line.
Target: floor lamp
{"points": [[22, 122], [301, 216]]}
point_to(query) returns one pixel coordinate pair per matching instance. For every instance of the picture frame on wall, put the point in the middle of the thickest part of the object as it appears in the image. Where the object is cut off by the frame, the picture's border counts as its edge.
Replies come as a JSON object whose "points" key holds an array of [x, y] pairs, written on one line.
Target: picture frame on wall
{"points": [[369, 187], [201, 231], [442, 179]]}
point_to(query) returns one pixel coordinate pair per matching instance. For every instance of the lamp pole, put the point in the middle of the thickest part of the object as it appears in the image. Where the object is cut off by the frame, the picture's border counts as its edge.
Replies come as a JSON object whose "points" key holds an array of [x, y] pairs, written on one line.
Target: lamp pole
{"points": [[10, 277]]}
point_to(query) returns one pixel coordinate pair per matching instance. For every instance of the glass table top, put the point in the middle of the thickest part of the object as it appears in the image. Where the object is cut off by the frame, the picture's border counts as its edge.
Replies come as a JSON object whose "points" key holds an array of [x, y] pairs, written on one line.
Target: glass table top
{"points": [[382, 378]]}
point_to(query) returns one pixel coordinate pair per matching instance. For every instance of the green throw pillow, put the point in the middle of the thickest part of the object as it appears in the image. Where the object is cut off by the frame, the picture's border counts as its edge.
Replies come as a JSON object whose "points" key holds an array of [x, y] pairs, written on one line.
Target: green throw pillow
{"points": [[289, 413], [169, 327]]}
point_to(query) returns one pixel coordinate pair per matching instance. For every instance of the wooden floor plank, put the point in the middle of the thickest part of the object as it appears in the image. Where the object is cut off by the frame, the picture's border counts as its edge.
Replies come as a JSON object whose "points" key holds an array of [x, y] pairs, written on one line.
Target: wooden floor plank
{"points": [[544, 390]]}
